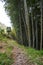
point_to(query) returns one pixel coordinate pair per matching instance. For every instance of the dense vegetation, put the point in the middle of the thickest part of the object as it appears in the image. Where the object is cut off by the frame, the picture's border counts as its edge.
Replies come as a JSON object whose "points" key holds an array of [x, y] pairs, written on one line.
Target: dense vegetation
{"points": [[6, 57], [5, 51], [26, 18]]}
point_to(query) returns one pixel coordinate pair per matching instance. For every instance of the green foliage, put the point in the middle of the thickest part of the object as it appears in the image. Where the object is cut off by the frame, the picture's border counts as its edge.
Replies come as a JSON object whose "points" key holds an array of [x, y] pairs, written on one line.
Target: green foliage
{"points": [[3, 38], [2, 31], [4, 59], [13, 31]]}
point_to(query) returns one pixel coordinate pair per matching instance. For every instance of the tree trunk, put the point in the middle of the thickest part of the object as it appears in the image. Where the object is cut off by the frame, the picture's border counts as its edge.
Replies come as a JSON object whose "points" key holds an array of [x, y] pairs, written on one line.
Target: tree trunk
{"points": [[41, 27], [27, 22], [36, 34], [19, 19], [21, 40], [32, 29]]}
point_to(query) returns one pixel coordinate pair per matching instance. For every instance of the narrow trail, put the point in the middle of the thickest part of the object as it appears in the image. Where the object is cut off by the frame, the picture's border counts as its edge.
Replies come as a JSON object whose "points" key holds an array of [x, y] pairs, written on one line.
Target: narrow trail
{"points": [[19, 57]]}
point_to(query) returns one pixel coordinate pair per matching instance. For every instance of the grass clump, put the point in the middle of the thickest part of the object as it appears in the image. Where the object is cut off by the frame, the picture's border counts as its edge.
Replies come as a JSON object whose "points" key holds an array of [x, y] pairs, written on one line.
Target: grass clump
{"points": [[3, 38], [5, 59]]}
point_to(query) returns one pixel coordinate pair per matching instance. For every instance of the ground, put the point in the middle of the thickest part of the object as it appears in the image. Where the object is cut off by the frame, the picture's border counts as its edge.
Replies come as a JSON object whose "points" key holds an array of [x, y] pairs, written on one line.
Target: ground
{"points": [[18, 54], [19, 57]]}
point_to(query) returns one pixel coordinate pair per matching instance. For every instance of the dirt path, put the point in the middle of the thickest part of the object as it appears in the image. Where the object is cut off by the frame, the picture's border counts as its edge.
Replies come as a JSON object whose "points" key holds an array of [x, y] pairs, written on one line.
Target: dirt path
{"points": [[18, 54], [19, 57]]}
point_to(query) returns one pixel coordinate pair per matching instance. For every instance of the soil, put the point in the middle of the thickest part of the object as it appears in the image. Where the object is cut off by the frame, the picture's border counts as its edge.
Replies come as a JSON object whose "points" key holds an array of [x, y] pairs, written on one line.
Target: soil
{"points": [[20, 58]]}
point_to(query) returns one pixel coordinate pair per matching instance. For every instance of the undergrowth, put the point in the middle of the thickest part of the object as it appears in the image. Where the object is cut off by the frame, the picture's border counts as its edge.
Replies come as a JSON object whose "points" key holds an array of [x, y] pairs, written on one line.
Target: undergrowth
{"points": [[5, 59], [33, 55]]}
